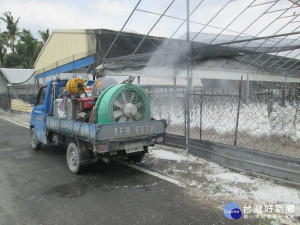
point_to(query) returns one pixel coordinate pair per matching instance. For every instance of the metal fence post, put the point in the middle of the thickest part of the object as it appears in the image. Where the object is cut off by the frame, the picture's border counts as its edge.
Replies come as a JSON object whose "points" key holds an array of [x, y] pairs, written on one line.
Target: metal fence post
{"points": [[188, 70], [185, 114], [238, 112], [201, 105], [284, 91], [247, 90], [297, 111]]}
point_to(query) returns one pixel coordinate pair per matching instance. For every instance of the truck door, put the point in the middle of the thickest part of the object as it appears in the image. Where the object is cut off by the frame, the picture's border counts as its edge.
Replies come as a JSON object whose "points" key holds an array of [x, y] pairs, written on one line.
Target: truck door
{"points": [[38, 115]]}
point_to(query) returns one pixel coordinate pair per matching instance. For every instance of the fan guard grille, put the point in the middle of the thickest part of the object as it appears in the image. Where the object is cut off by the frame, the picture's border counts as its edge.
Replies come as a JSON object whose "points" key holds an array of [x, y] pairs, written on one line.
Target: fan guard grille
{"points": [[123, 103]]}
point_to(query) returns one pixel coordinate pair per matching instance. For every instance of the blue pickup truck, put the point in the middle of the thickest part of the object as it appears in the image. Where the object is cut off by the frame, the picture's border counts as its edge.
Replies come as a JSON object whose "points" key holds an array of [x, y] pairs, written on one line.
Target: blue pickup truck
{"points": [[115, 122]]}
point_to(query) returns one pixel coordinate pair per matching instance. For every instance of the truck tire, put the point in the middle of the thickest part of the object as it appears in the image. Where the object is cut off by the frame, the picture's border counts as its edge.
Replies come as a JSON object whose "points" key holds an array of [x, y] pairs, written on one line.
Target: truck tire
{"points": [[73, 158], [35, 144], [138, 157]]}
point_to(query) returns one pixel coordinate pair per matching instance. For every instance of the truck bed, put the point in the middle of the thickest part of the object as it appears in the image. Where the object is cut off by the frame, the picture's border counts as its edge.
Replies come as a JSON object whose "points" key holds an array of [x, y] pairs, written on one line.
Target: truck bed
{"points": [[112, 132]]}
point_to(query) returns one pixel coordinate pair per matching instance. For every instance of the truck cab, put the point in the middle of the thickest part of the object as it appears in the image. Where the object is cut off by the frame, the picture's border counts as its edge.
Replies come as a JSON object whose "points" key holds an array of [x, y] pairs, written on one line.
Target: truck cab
{"points": [[42, 107]]}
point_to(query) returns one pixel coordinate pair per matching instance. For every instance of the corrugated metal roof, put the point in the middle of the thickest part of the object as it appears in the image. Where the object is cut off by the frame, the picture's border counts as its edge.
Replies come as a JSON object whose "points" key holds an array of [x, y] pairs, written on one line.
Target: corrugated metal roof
{"points": [[18, 76], [66, 46]]}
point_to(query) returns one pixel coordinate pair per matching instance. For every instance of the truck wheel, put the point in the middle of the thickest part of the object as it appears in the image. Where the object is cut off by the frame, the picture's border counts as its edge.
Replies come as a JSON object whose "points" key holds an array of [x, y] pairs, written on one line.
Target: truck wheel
{"points": [[73, 158], [35, 144], [136, 158]]}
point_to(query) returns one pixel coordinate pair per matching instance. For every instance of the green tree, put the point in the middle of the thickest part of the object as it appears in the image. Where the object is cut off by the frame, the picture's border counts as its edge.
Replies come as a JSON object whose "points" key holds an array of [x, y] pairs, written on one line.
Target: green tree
{"points": [[3, 47], [11, 29], [44, 35], [28, 48], [12, 60]]}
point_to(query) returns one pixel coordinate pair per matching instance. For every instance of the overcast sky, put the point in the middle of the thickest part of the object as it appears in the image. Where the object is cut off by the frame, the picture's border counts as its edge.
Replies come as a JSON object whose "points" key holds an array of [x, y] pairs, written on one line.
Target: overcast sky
{"points": [[68, 14], [111, 14]]}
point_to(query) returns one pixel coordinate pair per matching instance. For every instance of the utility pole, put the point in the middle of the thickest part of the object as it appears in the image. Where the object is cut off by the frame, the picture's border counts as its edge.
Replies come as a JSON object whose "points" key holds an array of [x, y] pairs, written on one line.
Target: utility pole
{"points": [[188, 68]]}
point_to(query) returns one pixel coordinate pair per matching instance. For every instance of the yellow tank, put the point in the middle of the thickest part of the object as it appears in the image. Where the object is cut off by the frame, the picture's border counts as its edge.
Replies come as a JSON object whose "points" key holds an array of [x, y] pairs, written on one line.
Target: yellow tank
{"points": [[75, 86]]}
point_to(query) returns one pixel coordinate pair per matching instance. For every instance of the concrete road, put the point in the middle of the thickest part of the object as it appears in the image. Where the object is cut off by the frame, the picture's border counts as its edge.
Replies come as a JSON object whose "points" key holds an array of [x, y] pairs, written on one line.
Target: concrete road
{"points": [[37, 188]]}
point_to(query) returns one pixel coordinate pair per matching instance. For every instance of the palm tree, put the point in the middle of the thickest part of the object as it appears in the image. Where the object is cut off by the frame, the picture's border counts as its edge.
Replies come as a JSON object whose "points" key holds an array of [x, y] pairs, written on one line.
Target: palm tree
{"points": [[12, 29], [3, 47], [28, 48], [44, 35]]}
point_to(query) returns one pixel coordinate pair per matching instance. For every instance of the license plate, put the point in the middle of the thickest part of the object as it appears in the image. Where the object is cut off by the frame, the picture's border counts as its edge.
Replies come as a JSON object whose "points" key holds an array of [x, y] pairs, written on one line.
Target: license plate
{"points": [[134, 147]]}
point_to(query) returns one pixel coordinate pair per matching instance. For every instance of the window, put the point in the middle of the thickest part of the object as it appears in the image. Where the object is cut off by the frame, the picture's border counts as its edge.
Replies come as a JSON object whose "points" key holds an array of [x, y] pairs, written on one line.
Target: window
{"points": [[41, 96]]}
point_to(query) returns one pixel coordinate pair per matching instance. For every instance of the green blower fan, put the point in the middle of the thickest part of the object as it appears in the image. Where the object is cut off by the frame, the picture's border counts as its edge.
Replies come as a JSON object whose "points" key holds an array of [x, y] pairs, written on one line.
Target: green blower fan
{"points": [[122, 103]]}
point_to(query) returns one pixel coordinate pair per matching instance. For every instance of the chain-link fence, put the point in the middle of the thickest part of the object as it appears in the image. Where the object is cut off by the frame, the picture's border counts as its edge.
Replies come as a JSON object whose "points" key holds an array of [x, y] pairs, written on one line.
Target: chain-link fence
{"points": [[264, 118], [213, 116], [169, 105], [270, 119]]}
